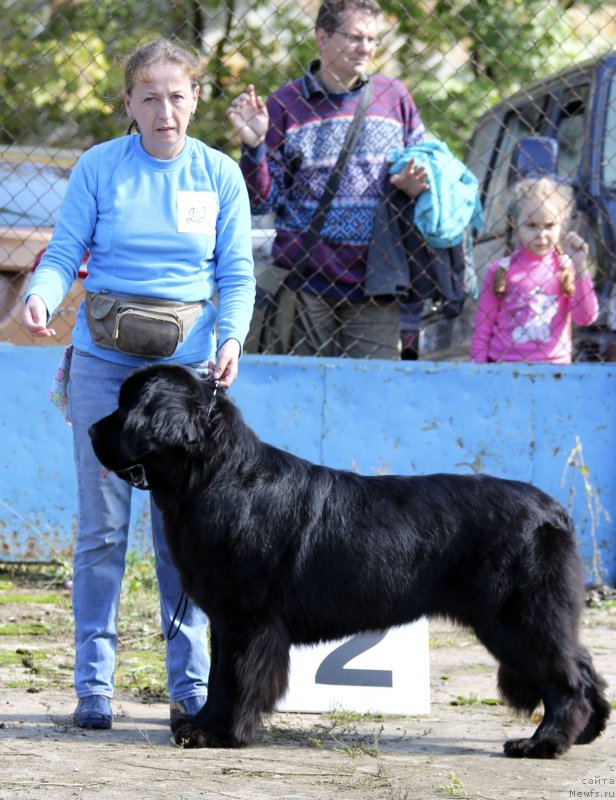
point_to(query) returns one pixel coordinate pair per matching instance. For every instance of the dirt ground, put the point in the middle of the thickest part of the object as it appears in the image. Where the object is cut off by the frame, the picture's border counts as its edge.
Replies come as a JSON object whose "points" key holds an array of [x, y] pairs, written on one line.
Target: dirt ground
{"points": [[456, 751]]}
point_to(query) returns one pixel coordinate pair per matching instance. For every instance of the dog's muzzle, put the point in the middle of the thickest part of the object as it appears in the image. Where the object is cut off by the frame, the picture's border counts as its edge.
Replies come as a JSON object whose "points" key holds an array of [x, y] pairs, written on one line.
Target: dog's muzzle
{"points": [[134, 475]]}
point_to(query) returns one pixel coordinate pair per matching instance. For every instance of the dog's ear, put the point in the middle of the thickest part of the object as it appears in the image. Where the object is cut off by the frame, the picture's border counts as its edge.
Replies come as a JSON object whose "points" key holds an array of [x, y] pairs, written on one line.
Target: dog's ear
{"points": [[166, 413]]}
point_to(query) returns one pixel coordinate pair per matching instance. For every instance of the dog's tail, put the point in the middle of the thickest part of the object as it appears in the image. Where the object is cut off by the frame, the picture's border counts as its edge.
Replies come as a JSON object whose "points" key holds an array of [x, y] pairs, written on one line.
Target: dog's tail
{"points": [[594, 691]]}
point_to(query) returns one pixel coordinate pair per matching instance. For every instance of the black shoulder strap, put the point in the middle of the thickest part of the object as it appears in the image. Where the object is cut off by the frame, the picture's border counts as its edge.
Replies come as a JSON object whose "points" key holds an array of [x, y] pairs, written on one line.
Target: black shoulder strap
{"points": [[333, 182]]}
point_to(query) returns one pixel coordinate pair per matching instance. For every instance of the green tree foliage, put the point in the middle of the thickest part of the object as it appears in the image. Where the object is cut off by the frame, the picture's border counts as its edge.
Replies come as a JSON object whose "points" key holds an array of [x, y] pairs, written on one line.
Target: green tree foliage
{"points": [[61, 70], [467, 55]]}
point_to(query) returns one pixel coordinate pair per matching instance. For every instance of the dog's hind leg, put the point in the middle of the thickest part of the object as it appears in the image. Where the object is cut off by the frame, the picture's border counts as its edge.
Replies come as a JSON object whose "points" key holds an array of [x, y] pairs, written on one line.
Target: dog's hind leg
{"points": [[575, 713], [539, 663], [566, 714], [521, 695], [575, 707], [534, 636]]}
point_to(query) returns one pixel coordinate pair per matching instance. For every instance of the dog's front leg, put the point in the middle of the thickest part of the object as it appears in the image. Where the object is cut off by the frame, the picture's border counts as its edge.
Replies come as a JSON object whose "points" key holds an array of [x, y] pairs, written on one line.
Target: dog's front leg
{"points": [[249, 676], [262, 676], [211, 727]]}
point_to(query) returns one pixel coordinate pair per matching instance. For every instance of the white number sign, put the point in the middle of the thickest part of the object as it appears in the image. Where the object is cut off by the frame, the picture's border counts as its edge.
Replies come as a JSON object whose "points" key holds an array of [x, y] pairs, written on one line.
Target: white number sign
{"points": [[384, 672]]}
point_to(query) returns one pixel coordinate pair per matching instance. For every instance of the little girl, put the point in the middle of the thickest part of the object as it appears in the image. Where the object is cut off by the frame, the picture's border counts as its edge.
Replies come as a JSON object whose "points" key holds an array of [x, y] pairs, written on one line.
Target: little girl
{"points": [[529, 299]]}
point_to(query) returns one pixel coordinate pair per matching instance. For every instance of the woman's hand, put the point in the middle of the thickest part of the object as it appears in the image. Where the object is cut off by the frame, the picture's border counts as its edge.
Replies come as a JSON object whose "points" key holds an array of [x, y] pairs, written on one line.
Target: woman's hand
{"points": [[249, 117], [34, 317], [413, 179], [227, 363]]}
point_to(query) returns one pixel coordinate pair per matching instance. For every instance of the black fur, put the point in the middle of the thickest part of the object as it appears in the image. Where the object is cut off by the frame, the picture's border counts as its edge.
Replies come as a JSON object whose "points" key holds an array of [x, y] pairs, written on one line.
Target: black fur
{"points": [[278, 551]]}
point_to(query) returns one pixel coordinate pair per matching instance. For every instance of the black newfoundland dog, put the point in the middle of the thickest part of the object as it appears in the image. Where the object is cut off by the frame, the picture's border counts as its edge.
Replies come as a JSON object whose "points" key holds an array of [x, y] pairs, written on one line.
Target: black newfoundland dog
{"points": [[278, 551]]}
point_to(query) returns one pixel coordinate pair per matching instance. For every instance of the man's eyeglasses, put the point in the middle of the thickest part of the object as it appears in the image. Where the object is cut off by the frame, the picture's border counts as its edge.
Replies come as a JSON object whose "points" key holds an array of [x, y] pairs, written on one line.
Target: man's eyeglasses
{"points": [[355, 39]]}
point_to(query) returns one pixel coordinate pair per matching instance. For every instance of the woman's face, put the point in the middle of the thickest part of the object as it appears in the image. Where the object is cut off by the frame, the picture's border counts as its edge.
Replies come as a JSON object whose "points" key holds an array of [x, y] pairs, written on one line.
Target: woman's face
{"points": [[162, 102]]}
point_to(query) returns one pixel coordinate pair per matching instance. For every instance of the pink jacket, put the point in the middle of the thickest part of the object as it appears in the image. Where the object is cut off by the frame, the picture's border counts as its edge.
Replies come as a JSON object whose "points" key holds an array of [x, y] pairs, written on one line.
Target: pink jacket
{"points": [[532, 322]]}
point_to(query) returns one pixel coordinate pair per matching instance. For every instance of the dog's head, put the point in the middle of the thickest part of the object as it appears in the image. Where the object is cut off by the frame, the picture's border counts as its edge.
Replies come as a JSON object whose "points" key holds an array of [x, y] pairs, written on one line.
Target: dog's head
{"points": [[163, 409]]}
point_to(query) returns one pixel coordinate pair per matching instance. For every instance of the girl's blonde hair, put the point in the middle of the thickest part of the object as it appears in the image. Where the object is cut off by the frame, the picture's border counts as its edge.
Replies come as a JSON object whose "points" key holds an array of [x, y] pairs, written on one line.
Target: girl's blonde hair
{"points": [[162, 51], [540, 190]]}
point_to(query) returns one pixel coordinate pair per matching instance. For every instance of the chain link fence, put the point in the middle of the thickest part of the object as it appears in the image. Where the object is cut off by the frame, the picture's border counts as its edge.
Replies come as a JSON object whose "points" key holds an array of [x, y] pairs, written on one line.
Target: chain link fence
{"points": [[512, 88]]}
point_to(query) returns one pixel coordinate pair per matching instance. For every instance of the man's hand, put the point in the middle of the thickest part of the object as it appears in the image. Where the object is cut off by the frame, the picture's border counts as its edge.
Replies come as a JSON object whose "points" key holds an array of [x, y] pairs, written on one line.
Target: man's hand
{"points": [[413, 180], [249, 117]]}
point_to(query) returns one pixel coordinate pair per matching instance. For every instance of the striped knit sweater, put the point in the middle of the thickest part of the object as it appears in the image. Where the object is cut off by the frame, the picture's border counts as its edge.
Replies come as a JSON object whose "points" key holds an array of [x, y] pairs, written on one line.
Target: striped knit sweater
{"points": [[288, 173]]}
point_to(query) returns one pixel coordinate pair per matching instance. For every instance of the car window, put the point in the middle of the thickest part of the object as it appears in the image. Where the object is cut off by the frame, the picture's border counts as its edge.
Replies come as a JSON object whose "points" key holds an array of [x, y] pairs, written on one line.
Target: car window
{"points": [[519, 122], [30, 194], [570, 130], [609, 143], [479, 153]]}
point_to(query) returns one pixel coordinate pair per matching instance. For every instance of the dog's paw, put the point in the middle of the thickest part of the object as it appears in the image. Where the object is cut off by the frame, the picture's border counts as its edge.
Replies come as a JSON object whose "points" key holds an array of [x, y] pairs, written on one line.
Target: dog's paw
{"points": [[190, 737], [179, 721], [547, 747]]}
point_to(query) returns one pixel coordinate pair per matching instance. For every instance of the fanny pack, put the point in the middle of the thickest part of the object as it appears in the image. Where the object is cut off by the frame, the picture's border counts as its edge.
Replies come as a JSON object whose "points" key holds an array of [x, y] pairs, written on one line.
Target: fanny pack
{"points": [[138, 326]]}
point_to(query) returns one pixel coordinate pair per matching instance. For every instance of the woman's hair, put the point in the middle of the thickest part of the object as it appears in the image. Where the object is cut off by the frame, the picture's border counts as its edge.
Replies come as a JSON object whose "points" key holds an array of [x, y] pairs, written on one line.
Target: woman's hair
{"points": [[330, 13], [539, 190], [162, 51]]}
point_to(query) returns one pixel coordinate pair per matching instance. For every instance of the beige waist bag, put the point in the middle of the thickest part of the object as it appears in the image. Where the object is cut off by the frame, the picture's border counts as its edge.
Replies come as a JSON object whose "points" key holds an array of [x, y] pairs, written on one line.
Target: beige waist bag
{"points": [[139, 326]]}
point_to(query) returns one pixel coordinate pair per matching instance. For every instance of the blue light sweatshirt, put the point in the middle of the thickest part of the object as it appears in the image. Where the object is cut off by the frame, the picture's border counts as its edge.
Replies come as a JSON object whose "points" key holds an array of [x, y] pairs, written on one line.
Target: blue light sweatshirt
{"points": [[176, 229]]}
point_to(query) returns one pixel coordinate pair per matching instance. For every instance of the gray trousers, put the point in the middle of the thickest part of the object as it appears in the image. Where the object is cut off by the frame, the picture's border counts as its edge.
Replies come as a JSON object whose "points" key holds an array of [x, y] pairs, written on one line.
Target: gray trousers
{"points": [[325, 327]]}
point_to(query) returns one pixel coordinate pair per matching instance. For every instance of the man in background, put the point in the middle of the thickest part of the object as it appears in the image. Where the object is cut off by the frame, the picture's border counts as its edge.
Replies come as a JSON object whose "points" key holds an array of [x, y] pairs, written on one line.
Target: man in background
{"points": [[291, 143]]}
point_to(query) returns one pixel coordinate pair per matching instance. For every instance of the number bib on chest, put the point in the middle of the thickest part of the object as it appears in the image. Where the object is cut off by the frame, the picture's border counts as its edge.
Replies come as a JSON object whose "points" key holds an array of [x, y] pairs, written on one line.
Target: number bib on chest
{"points": [[197, 212]]}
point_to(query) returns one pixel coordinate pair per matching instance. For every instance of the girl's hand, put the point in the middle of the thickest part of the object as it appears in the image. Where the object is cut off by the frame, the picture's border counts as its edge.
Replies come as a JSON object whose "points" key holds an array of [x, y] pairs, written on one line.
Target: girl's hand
{"points": [[249, 116], [227, 363], [34, 317], [577, 249], [413, 180]]}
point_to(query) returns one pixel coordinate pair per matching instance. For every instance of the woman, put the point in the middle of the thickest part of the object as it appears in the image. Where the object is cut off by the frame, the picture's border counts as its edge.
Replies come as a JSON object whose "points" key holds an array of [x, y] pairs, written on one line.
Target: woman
{"points": [[166, 220]]}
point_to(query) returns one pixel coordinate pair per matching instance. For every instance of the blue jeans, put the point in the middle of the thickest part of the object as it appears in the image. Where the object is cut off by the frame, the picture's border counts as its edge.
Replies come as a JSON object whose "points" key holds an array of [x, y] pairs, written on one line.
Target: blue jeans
{"points": [[100, 551]]}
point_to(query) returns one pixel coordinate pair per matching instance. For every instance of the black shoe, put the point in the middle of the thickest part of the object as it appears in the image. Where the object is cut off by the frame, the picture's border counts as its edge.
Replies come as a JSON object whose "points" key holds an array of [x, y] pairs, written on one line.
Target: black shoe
{"points": [[93, 711], [409, 346]]}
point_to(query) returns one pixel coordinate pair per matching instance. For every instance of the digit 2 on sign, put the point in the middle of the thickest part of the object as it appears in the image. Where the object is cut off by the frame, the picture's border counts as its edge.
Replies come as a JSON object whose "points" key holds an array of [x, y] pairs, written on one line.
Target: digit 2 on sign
{"points": [[384, 672]]}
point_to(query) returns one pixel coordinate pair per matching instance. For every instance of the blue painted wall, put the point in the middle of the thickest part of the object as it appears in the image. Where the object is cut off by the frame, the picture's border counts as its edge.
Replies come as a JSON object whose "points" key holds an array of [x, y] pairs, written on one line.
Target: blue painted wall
{"points": [[373, 417]]}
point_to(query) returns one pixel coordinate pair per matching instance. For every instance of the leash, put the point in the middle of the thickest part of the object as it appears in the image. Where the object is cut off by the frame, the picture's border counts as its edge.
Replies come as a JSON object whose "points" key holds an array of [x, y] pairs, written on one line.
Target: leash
{"points": [[210, 409], [135, 475], [171, 632], [183, 601]]}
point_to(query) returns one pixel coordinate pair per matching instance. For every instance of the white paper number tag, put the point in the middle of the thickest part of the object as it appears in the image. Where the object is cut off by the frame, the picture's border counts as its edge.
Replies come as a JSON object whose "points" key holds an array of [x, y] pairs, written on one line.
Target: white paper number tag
{"points": [[386, 672], [197, 212]]}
